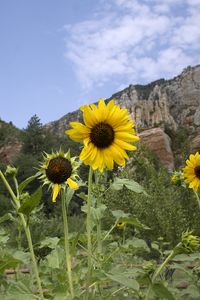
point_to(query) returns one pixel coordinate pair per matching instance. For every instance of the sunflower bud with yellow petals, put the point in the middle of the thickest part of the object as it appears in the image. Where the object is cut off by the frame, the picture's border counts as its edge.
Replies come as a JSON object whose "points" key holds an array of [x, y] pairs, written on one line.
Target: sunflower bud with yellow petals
{"points": [[59, 170]]}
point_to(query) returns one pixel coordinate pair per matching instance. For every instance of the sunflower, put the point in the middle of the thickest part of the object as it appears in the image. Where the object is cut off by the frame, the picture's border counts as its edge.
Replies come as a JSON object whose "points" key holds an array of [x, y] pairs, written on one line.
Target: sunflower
{"points": [[106, 135], [191, 172], [120, 225], [58, 170]]}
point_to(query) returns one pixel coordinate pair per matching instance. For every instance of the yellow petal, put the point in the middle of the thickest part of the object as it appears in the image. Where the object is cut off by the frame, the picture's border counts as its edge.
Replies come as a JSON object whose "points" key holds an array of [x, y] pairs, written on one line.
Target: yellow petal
{"points": [[72, 184], [125, 145], [89, 117], [108, 159], [127, 137], [56, 189]]}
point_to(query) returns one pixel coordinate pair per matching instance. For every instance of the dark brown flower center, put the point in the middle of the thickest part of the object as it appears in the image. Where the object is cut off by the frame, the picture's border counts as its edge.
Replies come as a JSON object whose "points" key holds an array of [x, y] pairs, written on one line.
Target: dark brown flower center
{"points": [[59, 170], [102, 135], [197, 171]]}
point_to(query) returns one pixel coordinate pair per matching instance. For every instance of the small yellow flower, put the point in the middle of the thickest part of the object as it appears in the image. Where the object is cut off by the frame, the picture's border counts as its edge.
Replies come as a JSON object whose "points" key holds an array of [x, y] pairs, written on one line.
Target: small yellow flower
{"points": [[58, 170], [177, 178], [107, 133], [191, 172], [120, 225]]}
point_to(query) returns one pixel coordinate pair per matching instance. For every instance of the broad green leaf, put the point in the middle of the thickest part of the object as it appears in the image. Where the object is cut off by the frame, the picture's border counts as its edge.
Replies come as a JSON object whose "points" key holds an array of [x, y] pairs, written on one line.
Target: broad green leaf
{"points": [[133, 221], [22, 256], [7, 262], [24, 183], [50, 242], [125, 281], [161, 291], [7, 217], [132, 185], [136, 243], [119, 214], [27, 207], [19, 291], [53, 259]]}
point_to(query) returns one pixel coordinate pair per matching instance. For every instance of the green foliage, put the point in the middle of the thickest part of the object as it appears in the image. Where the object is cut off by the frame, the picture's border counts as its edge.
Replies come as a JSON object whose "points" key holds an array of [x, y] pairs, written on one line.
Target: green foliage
{"points": [[8, 133], [168, 210]]}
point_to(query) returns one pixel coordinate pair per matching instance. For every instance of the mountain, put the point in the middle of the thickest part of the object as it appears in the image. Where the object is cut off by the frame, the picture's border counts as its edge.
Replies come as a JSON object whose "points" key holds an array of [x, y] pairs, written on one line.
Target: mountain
{"points": [[166, 114], [160, 110]]}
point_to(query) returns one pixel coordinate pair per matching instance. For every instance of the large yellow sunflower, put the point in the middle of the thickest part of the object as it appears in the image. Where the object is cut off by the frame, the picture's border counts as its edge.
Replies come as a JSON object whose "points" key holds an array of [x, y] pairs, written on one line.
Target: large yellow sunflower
{"points": [[58, 170], [191, 172], [106, 135]]}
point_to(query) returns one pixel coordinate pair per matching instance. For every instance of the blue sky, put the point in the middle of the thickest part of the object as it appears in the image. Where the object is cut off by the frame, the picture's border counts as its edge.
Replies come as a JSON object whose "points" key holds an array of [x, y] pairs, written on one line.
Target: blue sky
{"points": [[56, 55]]}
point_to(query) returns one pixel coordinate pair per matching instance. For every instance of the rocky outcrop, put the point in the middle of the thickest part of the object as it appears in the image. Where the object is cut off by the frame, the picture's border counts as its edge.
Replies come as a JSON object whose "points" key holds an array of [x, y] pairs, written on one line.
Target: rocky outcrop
{"points": [[159, 142], [165, 103], [9, 152]]}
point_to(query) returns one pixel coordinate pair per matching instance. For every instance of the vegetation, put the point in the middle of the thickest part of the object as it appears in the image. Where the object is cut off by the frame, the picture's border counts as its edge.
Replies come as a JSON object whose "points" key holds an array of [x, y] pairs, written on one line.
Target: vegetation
{"points": [[153, 255]]}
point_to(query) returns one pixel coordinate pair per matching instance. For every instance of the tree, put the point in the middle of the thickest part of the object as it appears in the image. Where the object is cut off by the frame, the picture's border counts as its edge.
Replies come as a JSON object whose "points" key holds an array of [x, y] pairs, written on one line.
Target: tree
{"points": [[34, 137]]}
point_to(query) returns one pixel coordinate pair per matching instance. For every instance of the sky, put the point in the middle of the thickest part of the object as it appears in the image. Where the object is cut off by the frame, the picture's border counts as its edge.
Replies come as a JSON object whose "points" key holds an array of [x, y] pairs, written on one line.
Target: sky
{"points": [[56, 55]]}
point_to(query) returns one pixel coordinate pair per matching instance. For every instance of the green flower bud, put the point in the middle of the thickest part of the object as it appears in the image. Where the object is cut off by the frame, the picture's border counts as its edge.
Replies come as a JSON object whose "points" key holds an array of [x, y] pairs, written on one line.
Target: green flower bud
{"points": [[177, 178], [11, 171], [189, 243], [149, 267]]}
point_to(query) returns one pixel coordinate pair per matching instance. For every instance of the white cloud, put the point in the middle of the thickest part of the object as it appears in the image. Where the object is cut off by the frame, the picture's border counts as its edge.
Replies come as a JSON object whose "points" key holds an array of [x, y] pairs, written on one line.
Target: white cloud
{"points": [[134, 41]]}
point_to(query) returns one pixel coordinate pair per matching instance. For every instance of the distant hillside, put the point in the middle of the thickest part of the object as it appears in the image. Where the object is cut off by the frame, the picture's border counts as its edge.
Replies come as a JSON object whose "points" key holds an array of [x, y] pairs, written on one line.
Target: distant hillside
{"points": [[166, 114]]}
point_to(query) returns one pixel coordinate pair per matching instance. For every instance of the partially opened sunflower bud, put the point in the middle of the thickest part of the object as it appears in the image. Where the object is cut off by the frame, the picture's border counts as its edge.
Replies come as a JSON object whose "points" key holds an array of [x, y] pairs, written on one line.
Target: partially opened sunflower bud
{"points": [[189, 243], [120, 225]]}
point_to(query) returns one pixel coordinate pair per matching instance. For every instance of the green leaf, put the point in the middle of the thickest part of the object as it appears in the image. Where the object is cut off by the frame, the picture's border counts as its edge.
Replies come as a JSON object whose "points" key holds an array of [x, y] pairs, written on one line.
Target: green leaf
{"points": [[31, 202], [136, 243], [19, 291], [69, 195], [161, 291], [50, 242], [119, 214], [82, 196], [53, 260], [7, 262], [134, 221], [7, 217], [132, 185], [24, 183], [125, 281]]}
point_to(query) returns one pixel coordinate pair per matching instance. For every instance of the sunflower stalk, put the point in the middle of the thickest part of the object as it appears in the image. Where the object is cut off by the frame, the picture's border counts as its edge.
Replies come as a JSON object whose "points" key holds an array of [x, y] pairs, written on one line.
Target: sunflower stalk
{"points": [[158, 271], [89, 229], [67, 247], [27, 232], [99, 242], [197, 197]]}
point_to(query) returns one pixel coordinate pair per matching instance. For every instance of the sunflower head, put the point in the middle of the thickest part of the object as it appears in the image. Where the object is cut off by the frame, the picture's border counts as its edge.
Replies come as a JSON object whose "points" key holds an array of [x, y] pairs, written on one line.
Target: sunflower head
{"points": [[107, 133], [120, 225], [191, 172], [58, 170]]}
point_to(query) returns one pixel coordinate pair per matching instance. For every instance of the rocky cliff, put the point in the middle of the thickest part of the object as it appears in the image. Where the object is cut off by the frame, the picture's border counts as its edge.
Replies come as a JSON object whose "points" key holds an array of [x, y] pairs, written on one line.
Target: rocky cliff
{"points": [[158, 109], [167, 104]]}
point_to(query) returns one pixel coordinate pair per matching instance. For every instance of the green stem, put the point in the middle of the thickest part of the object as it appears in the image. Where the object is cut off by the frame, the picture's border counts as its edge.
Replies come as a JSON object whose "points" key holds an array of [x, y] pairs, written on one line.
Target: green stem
{"points": [[123, 235], [197, 197], [67, 248], [27, 232], [108, 232], [88, 228], [99, 242], [158, 271]]}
